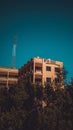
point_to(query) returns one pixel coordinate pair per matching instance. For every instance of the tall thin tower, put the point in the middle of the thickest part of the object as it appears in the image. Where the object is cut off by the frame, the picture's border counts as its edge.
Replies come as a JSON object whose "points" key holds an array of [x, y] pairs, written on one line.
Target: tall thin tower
{"points": [[14, 53]]}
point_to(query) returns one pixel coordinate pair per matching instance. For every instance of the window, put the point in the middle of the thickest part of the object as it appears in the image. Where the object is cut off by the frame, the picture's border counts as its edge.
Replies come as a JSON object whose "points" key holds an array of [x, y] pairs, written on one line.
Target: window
{"points": [[2, 84], [48, 80], [3, 75], [13, 75], [38, 81], [38, 68], [56, 80], [57, 69], [48, 68]]}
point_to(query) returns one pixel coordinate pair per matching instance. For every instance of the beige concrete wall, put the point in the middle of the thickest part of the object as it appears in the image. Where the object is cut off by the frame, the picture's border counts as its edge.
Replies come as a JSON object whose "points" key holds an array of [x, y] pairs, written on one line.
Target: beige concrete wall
{"points": [[4, 69], [50, 74], [43, 74], [8, 71]]}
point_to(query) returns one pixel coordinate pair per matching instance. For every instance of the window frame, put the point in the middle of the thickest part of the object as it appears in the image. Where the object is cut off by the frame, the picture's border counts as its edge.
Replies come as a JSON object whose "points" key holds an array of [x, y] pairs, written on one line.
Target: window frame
{"points": [[48, 79], [57, 69], [48, 68]]}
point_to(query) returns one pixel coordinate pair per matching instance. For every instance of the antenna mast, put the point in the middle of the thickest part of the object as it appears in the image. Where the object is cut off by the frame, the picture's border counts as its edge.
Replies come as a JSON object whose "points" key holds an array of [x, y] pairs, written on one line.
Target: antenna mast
{"points": [[14, 53]]}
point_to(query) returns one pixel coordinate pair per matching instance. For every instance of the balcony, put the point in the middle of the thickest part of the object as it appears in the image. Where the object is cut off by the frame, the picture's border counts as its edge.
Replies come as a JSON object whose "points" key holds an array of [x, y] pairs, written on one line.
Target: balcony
{"points": [[38, 81], [38, 71]]}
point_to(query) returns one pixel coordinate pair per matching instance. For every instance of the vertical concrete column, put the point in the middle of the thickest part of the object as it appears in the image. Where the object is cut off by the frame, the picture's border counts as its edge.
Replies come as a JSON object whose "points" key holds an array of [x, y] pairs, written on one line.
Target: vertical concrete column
{"points": [[43, 72], [7, 85], [33, 71]]}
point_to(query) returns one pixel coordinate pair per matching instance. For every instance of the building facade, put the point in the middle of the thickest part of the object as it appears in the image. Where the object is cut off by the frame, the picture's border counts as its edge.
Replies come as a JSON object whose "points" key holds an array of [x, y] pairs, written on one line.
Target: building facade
{"points": [[8, 76], [40, 70]]}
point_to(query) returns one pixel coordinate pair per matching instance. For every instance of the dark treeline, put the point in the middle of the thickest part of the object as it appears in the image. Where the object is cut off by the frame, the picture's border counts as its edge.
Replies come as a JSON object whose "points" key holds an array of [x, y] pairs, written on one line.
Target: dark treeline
{"points": [[29, 107]]}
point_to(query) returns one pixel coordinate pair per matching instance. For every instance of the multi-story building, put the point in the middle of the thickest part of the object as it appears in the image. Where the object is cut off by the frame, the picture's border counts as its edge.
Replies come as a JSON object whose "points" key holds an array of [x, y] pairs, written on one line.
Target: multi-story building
{"points": [[8, 76], [39, 70]]}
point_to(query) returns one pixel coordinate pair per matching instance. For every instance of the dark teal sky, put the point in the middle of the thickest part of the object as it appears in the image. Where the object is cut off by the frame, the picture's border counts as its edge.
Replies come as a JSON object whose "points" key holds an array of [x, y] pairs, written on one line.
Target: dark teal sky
{"points": [[44, 28]]}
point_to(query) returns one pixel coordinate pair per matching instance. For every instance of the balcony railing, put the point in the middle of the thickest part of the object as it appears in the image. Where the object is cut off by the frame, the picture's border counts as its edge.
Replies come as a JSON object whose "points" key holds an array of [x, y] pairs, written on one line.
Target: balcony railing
{"points": [[38, 71]]}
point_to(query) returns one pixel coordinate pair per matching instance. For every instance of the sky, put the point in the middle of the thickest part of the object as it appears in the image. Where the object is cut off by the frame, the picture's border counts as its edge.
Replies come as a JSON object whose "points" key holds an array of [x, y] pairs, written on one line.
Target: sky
{"points": [[42, 28]]}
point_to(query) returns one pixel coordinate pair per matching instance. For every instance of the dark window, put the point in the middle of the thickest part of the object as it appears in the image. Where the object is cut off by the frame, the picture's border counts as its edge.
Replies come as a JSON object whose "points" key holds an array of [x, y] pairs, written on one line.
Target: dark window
{"points": [[38, 68], [3, 75], [48, 80], [4, 84], [57, 69], [56, 80], [38, 81], [48, 68], [13, 76]]}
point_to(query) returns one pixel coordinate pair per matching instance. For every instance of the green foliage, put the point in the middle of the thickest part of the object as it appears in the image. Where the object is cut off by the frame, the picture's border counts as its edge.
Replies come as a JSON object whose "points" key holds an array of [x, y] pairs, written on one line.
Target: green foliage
{"points": [[61, 76], [21, 108]]}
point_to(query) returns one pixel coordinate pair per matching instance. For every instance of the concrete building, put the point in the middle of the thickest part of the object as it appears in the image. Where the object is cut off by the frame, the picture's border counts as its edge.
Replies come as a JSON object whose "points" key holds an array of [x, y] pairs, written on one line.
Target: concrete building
{"points": [[40, 70], [8, 76]]}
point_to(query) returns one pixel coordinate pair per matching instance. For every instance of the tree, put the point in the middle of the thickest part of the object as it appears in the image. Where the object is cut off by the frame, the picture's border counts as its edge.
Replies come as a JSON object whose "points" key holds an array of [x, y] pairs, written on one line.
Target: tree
{"points": [[61, 78], [21, 108]]}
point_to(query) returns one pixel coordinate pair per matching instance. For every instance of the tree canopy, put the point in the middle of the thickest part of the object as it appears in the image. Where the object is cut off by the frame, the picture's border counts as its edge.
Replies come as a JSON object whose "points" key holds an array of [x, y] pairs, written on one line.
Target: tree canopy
{"points": [[21, 108]]}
